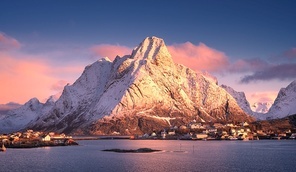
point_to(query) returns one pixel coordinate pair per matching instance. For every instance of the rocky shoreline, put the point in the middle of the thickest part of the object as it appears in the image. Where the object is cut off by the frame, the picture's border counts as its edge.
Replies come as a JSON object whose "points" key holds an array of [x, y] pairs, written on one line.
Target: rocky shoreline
{"points": [[40, 145]]}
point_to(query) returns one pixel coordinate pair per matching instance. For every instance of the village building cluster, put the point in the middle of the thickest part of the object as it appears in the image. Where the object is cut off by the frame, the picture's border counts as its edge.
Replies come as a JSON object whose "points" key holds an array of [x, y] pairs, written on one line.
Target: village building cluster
{"points": [[32, 138], [217, 131]]}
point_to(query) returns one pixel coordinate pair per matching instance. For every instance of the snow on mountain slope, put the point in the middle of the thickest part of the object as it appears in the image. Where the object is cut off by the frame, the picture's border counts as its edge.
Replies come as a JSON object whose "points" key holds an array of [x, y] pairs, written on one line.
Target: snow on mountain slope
{"points": [[261, 107], [139, 93], [240, 98], [16, 119], [78, 98], [244, 104], [285, 103], [4, 108]]}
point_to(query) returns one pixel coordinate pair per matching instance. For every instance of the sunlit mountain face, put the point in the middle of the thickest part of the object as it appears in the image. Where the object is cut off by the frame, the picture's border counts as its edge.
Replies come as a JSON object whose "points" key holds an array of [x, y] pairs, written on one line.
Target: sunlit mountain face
{"points": [[139, 93]]}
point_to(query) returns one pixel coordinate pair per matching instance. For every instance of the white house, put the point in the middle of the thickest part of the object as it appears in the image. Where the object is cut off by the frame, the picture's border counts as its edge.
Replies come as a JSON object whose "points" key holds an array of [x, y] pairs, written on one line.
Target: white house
{"points": [[171, 133], [201, 136], [163, 134]]}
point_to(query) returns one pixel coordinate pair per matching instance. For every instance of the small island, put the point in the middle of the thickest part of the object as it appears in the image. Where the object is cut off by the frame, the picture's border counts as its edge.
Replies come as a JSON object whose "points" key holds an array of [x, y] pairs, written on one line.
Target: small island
{"points": [[140, 150]]}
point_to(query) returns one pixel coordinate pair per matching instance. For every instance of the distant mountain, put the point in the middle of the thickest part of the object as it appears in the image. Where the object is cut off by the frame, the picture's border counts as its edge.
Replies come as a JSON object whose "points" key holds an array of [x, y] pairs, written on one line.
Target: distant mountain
{"points": [[285, 103], [242, 101], [17, 119], [261, 107], [4, 108], [138, 93]]}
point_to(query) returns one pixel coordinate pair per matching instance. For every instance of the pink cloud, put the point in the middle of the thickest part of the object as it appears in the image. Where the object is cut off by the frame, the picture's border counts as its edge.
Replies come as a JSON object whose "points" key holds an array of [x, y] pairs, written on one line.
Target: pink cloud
{"points": [[263, 96], [8, 43], [24, 77], [110, 51], [59, 85], [199, 57]]}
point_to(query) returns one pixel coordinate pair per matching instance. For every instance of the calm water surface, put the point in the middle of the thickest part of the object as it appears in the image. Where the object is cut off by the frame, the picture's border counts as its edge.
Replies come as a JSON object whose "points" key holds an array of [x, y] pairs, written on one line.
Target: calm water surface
{"points": [[263, 155]]}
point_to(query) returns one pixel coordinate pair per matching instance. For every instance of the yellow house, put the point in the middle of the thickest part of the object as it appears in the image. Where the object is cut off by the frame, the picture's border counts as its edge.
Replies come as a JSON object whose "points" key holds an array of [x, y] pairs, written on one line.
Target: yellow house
{"points": [[46, 138]]}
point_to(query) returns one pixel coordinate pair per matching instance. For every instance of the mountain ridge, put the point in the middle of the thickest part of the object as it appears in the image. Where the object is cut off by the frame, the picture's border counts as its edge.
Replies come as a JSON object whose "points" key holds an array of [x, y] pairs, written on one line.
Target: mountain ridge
{"points": [[126, 100], [138, 93]]}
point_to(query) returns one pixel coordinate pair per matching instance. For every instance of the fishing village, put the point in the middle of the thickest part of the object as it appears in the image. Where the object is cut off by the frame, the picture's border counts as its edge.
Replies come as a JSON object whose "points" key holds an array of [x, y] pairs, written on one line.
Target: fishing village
{"points": [[34, 139], [191, 131]]}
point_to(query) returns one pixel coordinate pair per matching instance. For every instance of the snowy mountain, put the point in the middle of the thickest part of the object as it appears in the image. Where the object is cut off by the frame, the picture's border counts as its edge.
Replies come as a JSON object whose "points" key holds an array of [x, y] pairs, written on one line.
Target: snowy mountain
{"points": [[240, 98], [261, 107], [4, 108], [285, 103], [16, 119], [138, 93]]}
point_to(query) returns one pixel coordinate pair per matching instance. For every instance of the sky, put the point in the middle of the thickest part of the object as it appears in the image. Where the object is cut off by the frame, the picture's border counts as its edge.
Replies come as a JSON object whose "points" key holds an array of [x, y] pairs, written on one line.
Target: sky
{"points": [[248, 45]]}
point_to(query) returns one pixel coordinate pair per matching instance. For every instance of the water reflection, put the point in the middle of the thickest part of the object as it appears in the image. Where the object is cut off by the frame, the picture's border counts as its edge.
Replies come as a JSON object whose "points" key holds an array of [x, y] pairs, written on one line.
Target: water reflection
{"points": [[176, 156]]}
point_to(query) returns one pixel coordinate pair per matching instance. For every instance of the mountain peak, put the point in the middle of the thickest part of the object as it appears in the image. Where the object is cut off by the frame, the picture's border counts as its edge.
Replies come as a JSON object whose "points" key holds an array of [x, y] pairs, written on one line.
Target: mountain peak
{"points": [[151, 48], [136, 94], [105, 59]]}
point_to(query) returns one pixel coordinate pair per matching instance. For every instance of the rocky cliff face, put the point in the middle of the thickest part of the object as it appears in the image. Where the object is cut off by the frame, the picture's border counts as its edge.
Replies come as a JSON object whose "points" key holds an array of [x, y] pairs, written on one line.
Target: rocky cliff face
{"points": [[139, 93], [240, 98], [285, 103], [242, 101]]}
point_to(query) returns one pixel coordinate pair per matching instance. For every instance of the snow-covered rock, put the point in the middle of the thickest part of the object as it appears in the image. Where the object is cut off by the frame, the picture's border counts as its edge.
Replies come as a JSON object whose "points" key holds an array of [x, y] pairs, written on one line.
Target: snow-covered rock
{"points": [[261, 107], [139, 93], [240, 98], [258, 110], [16, 119], [285, 103]]}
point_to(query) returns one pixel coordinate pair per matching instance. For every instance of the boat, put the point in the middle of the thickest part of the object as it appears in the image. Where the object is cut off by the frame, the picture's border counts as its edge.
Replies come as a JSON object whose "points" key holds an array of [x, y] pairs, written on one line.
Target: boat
{"points": [[3, 149]]}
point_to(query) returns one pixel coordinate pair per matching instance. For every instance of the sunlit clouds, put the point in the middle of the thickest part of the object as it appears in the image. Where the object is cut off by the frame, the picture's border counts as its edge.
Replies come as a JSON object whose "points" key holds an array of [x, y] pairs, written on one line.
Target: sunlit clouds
{"points": [[22, 79], [199, 57], [263, 96], [25, 73]]}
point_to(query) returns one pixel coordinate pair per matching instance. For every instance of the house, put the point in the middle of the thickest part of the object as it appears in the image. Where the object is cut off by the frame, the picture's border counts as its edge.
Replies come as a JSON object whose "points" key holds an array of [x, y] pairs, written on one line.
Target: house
{"points": [[195, 126], [46, 138], [171, 133], [163, 134], [201, 136]]}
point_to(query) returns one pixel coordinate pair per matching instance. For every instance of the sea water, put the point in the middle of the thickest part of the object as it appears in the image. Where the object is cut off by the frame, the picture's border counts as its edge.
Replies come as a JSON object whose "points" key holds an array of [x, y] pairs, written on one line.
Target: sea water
{"points": [[176, 155]]}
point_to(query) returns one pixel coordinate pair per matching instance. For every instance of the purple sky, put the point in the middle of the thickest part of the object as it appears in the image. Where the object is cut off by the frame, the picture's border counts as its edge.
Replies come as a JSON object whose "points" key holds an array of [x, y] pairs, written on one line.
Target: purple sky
{"points": [[248, 45]]}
